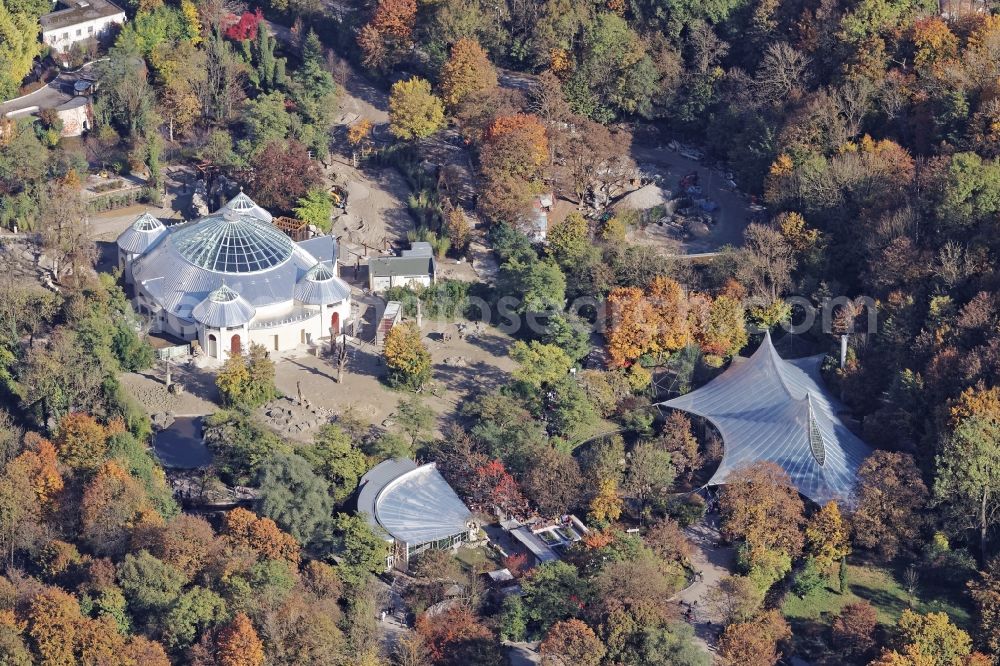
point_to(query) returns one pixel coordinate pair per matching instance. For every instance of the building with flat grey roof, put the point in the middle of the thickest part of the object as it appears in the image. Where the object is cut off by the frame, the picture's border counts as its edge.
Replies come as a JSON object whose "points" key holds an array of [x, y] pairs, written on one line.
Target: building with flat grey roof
{"points": [[414, 267], [79, 21]]}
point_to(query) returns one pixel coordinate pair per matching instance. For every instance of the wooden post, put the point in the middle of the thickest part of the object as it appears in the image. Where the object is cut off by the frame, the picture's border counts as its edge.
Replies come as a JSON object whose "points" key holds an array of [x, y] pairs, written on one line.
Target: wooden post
{"points": [[342, 358]]}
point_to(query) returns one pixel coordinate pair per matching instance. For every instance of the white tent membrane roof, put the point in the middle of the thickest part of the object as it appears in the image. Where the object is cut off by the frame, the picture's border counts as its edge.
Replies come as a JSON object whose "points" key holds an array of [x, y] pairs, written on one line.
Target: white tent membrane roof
{"points": [[770, 409], [413, 504]]}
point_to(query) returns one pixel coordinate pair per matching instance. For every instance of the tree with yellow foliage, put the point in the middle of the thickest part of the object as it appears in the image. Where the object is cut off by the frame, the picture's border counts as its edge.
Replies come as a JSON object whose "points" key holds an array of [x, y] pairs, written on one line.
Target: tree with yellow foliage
{"points": [[795, 232], [192, 21], [467, 71], [406, 357], [827, 536], [458, 230], [414, 111], [719, 326], [560, 62], [82, 441], [19, 44], [568, 240], [359, 135], [933, 41], [606, 507], [927, 640]]}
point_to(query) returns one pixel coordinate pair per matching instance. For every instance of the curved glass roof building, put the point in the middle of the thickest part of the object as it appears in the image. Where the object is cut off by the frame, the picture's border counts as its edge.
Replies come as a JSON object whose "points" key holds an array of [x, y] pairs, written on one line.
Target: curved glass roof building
{"points": [[770, 409], [234, 269], [414, 507]]}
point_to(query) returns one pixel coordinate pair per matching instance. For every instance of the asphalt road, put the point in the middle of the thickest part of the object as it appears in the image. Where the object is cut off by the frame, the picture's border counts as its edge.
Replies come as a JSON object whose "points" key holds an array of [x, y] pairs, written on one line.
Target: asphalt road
{"points": [[732, 216], [56, 93]]}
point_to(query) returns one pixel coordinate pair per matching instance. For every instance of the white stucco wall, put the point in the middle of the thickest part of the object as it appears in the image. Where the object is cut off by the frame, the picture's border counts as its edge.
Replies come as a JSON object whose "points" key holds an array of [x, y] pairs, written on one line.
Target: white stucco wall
{"points": [[290, 335], [61, 39], [379, 283]]}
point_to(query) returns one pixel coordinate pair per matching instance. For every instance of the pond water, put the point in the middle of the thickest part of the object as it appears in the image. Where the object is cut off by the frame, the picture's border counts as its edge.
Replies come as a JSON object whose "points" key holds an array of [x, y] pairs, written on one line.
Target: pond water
{"points": [[181, 445]]}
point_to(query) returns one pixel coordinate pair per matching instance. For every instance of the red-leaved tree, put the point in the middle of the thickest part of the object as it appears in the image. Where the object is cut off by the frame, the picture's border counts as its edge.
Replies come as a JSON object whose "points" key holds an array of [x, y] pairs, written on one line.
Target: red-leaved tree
{"points": [[246, 26], [493, 485]]}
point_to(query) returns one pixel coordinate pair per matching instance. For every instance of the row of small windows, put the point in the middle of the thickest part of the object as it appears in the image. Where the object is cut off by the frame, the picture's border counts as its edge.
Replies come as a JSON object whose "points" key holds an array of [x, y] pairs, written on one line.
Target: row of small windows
{"points": [[79, 33]]}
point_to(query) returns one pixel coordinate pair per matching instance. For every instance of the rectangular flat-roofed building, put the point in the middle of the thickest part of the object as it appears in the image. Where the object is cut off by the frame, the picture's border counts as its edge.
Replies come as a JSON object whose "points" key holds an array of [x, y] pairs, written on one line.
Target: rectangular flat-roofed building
{"points": [[78, 21], [415, 267]]}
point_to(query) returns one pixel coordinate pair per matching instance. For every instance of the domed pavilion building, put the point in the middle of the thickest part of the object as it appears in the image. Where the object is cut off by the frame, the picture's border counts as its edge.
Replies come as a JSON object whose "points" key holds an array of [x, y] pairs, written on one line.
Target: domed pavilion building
{"points": [[232, 278]]}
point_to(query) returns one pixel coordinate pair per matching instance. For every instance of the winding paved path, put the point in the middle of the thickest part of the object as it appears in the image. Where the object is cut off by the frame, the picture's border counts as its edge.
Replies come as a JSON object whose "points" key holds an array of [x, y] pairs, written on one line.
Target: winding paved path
{"points": [[712, 563]]}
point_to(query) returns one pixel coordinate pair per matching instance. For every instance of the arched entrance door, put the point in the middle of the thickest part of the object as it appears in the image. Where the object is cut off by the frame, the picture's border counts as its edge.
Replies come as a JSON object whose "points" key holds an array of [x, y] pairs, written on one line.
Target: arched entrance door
{"points": [[235, 346], [335, 324], [213, 346]]}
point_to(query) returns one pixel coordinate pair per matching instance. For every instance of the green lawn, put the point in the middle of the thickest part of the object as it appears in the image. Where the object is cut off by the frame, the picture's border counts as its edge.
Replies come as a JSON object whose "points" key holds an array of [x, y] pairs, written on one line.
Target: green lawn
{"points": [[475, 559], [600, 426], [884, 589]]}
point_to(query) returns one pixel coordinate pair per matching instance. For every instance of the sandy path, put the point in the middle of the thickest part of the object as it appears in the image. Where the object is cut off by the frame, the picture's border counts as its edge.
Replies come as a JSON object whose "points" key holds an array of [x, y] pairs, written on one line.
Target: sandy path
{"points": [[711, 563]]}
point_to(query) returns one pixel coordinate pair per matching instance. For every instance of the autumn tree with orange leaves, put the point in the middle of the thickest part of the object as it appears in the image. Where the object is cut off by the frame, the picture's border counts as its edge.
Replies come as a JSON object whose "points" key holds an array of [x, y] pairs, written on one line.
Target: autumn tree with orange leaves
{"points": [[113, 504], [61, 635], [652, 322], [388, 34], [571, 643], [187, 542], [515, 146], [455, 633], [38, 464], [238, 643], [514, 152], [755, 642], [633, 325], [53, 617], [243, 529]]}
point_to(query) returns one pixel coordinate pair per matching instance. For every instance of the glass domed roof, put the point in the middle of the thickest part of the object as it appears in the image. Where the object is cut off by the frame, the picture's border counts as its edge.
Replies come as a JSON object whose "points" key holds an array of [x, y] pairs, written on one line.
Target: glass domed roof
{"points": [[233, 243], [223, 308], [319, 273], [241, 203], [321, 286], [141, 234], [147, 222]]}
